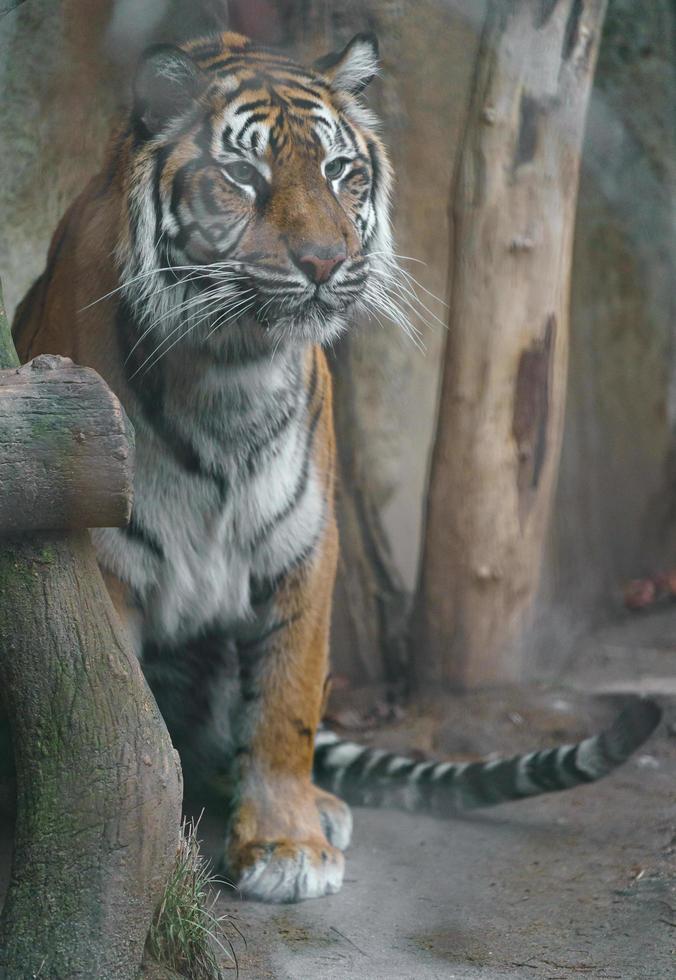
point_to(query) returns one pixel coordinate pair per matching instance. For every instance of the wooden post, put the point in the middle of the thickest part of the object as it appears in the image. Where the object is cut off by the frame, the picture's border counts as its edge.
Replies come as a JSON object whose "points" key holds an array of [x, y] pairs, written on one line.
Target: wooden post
{"points": [[98, 782], [497, 448], [65, 449]]}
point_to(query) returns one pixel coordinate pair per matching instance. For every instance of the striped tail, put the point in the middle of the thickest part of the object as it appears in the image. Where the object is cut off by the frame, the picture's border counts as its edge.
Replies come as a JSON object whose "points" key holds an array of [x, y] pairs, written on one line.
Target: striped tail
{"points": [[374, 777]]}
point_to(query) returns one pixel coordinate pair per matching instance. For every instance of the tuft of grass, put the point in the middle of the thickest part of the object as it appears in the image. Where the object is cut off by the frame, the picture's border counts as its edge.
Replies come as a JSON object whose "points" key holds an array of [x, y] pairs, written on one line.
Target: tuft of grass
{"points": [[187, 935]]}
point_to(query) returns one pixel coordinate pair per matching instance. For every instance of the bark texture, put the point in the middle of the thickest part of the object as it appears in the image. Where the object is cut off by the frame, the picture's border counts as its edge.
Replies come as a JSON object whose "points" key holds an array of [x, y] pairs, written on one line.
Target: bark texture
{"points": [[66, 456], [98, 783], [496, 453]]}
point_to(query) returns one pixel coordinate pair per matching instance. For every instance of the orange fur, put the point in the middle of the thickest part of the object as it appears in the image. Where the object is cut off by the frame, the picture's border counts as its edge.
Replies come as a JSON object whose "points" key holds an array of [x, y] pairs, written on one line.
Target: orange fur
{"points": [[279, 802], [65, 313]]}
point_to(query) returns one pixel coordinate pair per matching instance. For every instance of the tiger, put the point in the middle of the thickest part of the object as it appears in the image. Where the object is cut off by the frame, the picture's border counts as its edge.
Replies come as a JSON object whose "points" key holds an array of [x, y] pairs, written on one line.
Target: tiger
{"points": [[240, 221]]}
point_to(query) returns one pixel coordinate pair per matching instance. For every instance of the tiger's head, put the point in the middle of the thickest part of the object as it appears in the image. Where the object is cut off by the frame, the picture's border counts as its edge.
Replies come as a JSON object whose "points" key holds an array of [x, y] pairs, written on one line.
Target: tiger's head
{"points": [[257, 193]]}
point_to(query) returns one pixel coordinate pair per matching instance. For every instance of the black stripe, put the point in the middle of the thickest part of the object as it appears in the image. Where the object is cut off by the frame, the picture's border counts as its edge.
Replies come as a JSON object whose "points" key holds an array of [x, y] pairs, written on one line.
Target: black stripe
{"points": [[472, 782], [353, 774], [545, 772], [229, 62], [258, 642], [315, 92], [354, 281], [268, 64], [149, 391], [262, 590], [568, 766], [359, 172], [251, 121], [314, 374], [301, 103], [295, 72], [324, 122], [273, 287], [178, 182], [268, 436], [224, 253], [503, 779], [227, 140], [295, 117], [160, 161], [375, 168], [582, 775], [250, 106], [246, 85], [207, 184], [300, 486], [380, 768], [143, 537], [350, 135], [202, 52]]}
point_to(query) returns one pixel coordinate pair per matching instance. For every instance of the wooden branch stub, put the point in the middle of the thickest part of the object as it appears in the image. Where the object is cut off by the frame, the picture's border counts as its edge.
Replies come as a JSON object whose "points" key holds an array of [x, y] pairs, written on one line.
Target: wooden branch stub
{"points": [[66, 449]]}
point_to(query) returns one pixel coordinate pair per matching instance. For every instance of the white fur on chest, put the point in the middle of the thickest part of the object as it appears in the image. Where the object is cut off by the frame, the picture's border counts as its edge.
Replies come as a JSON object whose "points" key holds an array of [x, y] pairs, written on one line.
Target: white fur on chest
{"points": [[215, 540]]}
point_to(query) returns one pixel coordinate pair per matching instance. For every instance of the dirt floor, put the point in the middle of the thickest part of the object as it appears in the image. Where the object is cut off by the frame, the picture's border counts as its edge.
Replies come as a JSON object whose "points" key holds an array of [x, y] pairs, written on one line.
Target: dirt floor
{"points": [[580, 884]]}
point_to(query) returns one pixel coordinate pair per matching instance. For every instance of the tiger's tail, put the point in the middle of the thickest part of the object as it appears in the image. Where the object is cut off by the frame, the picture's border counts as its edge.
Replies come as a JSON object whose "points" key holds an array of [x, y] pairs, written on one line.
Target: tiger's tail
{"points": [[374, 777]]}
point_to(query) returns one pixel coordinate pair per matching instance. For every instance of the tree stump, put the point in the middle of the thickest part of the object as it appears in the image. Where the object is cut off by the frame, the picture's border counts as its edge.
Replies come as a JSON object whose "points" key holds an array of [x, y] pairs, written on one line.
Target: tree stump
{"points": [[66, 449], [98, 782], [496, 454]]}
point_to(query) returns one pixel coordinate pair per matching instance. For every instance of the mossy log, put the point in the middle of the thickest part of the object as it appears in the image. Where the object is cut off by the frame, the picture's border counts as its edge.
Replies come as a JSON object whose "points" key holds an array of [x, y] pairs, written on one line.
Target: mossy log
{"points": [[98, 782]]}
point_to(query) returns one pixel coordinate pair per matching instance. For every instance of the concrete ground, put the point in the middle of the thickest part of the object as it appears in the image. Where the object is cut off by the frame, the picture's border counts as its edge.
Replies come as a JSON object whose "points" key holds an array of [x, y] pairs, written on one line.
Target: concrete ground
{"points": [[573, 885], [579, 884]]}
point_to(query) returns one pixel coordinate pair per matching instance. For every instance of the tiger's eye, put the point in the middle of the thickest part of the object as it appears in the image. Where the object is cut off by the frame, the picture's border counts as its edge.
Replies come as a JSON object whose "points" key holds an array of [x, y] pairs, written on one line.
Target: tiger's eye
{"points": [[334, 168], [242, 172]]}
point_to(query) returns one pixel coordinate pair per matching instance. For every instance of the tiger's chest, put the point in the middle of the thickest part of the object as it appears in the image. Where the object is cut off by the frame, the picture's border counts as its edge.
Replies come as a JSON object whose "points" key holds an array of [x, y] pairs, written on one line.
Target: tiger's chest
{"points": [[205, 535]]}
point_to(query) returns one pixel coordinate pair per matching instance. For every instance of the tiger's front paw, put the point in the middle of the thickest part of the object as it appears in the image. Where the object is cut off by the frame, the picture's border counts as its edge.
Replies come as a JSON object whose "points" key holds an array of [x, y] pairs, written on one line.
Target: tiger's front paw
{"points": [[288, 870]]}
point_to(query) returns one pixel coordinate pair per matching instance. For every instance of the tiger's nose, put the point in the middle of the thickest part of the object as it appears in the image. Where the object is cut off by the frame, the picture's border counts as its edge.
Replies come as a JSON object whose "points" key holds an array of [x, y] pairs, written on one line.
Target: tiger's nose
{"points": [[320, 264]]}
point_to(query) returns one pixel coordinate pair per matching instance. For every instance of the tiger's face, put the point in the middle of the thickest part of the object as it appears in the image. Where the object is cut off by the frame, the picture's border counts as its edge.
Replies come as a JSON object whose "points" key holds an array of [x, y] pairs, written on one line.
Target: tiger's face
{"points": [[259, 186]]}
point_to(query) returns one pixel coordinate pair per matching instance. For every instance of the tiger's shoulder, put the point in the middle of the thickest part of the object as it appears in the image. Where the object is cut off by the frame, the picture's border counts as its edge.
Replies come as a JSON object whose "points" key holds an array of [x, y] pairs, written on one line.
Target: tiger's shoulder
{"points": [[64, 311]]}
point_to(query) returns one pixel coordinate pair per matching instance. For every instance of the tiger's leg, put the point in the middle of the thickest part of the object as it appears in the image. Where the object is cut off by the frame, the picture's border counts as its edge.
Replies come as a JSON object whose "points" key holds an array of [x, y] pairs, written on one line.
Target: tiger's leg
{"points": [[285, 835]]}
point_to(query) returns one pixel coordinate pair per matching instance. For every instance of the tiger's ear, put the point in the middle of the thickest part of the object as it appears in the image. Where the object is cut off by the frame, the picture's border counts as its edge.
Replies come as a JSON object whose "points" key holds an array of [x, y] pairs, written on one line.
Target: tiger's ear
{"points": [[166, 83], [351, 69]]}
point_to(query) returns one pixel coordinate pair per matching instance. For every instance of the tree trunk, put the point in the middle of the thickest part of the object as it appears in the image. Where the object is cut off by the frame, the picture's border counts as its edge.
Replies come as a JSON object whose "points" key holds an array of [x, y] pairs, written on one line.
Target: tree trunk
{"points": [[495, 458], [98, 783]]}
